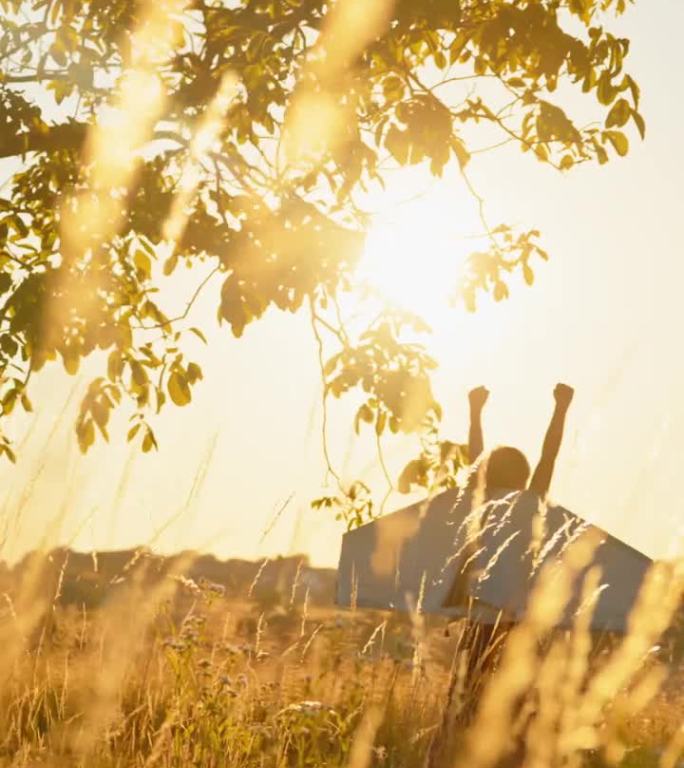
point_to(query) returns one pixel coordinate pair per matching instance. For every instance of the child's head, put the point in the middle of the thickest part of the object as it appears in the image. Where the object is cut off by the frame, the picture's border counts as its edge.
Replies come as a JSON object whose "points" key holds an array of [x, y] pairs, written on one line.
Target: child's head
{"points": [[506, 467]]}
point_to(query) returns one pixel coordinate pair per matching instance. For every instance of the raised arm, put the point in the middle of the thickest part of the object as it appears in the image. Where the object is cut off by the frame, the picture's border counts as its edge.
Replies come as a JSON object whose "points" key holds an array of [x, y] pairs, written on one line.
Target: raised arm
{"points": [[541, 479], [477, 398]]}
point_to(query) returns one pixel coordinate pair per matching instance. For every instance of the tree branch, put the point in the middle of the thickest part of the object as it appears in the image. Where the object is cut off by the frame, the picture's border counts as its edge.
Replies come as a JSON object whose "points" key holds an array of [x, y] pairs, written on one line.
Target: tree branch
{"points": [[188, 306], [69, 135]]}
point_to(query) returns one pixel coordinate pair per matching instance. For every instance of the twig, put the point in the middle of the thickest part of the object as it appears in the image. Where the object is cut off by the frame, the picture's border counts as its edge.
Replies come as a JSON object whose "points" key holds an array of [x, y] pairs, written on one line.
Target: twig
{"points": [[188, 306], [388, 478], [324, 426]]}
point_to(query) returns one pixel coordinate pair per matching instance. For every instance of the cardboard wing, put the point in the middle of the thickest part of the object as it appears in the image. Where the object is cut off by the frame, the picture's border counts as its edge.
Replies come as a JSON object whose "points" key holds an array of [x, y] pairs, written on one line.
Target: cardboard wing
{"points": [[440, 554], [515, 548], [398, 560]]}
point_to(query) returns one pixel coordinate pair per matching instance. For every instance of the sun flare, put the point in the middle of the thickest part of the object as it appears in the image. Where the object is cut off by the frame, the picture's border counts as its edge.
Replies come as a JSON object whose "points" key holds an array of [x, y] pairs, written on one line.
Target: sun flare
{"points": [[415, 254]]}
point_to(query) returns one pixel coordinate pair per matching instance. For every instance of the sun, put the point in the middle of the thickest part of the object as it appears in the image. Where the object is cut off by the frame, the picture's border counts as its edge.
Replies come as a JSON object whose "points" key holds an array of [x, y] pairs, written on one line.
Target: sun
{"points": [[415, 254]]}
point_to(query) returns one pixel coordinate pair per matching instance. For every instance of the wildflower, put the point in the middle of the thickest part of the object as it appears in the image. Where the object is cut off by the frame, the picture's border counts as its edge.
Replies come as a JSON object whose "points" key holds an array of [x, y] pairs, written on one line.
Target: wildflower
{"points": [[233, 650], [190, 635], [188, 584], [175, 644], [225, 683], [307, 707], [212, 588]]}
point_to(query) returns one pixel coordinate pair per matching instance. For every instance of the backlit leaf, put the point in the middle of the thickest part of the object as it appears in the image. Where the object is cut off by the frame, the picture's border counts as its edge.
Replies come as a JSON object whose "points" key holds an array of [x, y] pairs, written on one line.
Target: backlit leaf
{"points": [[179, 391]]}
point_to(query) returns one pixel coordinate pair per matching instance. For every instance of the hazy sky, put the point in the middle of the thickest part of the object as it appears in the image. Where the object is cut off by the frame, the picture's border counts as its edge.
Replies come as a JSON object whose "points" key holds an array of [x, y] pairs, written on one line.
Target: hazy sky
{"points": [[605, 315]]}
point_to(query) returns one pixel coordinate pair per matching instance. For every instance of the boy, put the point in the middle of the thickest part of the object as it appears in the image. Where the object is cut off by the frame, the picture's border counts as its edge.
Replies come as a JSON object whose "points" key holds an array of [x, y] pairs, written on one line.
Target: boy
{"points": [[500, 472]]}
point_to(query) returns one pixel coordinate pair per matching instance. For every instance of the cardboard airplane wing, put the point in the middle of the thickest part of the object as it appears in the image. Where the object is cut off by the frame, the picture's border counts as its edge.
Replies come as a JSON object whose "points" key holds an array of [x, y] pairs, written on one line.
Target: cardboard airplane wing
{"points": [[399, 559], [513, 550], [443, 557]]}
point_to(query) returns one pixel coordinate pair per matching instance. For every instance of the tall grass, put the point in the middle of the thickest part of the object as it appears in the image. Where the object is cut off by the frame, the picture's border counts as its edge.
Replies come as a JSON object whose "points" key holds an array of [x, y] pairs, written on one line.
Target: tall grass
{"points": [[173, 673]]}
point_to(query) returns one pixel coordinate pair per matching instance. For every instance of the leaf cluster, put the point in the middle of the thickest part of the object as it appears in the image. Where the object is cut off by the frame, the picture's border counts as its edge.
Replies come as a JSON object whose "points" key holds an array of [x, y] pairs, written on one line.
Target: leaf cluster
{"points": [[277, 227]]}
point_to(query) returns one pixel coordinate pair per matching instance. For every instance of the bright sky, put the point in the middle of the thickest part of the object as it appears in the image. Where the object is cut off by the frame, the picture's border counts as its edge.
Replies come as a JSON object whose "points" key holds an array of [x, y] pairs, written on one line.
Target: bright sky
{"points": [[602, 315]]}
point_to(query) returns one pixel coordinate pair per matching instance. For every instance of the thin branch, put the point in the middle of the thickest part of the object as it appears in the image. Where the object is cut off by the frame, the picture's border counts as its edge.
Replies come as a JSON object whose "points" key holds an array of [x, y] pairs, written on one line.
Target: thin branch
{"points": [[487, 114], [329, 327], [481, 207], [40, 77], [271, 525], [338, 314], [324, 426], [460, 79], [385, 471], [21, 46], [241, 178], [491, 147], [219, 202], [188, 306]]}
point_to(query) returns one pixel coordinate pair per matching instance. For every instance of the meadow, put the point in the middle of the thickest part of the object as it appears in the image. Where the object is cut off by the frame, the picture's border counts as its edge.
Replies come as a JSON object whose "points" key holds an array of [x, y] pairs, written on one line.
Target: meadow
{"points": [[168, 164], [179, 672]]}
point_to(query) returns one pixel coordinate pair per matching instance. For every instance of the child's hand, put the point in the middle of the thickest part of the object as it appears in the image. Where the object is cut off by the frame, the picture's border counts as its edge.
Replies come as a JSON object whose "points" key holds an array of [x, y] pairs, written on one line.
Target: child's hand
{"points": [[478, 397], [563, 395]]}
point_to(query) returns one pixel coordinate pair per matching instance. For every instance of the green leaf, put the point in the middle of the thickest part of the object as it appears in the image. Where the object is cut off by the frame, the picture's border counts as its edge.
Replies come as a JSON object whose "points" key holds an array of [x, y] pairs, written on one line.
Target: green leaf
{"points": [[365, 413], [605, 91], [179, 391], [199, 334], [114, 365], [71, 360], [9, 453], [19, 225], [143, 262], [86, 434], [194, 373], [414, 473], [9, 401], [541, 153], [148, 442], [619, 141], [100, 414], [619, 114], [460, 150], [170, 264], [397, 142], [640, 123], [500, 291], [634, 88]]}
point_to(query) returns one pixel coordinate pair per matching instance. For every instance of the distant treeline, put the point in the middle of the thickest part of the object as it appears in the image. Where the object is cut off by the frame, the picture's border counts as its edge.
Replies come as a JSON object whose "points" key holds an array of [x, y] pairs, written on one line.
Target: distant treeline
{"points": [[89, 579]]}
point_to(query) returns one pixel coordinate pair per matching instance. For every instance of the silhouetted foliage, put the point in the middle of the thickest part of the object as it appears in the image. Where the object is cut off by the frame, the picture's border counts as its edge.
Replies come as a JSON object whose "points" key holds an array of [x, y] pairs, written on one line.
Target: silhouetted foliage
{"points": [[282, 232]]}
